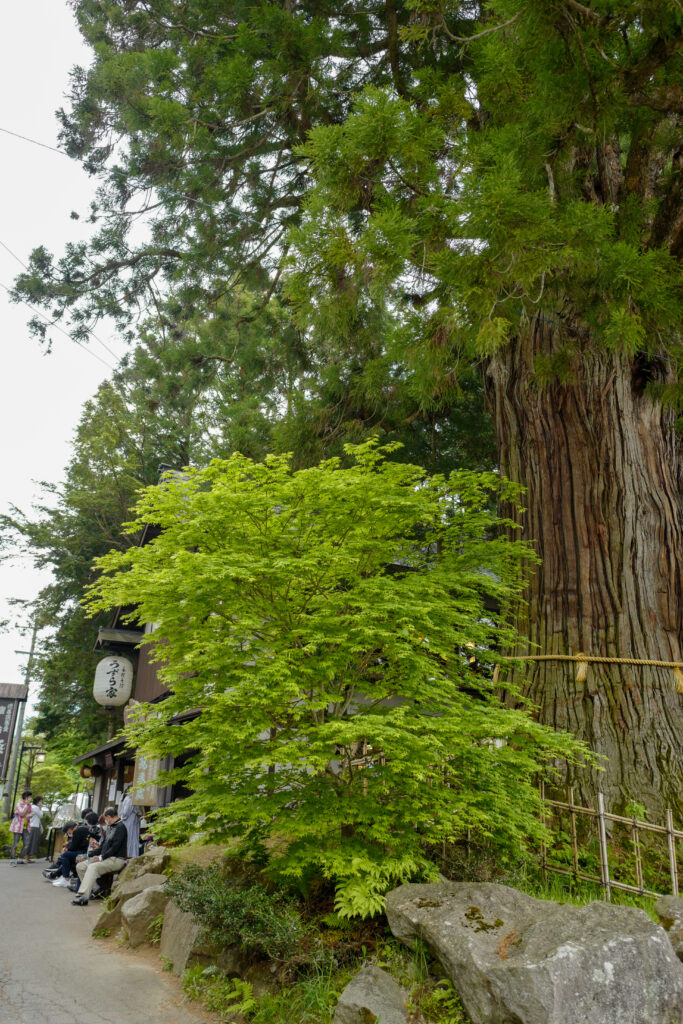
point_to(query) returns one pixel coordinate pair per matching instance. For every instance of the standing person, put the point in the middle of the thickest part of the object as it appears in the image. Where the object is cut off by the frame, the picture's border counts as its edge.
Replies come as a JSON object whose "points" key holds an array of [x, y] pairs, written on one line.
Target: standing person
{"points": [[109, 858], [18, 825], [129, 817], [35, 828]]}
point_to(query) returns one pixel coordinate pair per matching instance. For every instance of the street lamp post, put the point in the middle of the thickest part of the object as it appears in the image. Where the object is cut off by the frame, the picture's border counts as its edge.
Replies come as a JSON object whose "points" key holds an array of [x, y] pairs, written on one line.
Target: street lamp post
{"points": [[37, 757]]}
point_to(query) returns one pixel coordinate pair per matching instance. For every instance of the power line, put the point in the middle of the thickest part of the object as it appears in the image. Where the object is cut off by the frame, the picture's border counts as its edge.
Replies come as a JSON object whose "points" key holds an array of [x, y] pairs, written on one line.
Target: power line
{"points": [[91, 333], [13, 254], [34, 141], [61, 330], [172, 192]]}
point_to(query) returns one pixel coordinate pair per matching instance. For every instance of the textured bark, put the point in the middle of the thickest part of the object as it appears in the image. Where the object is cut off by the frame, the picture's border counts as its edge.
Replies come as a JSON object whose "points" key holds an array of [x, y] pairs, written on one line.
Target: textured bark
{"points": [[600, 463]]}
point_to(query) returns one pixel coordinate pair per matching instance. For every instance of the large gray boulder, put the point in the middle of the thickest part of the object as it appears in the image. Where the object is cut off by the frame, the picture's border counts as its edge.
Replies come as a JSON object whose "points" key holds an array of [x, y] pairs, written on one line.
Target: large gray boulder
{"points": [[126, 890], [669, 910], [108, 922], [110, 919], [372, 996], [518, 960], [152, 862], [182, 945], [138, 913]]}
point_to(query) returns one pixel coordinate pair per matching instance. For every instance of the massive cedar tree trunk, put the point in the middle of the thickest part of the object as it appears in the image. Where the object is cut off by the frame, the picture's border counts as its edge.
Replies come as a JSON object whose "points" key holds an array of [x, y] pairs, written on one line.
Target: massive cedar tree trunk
{"points": [[600, 463]]}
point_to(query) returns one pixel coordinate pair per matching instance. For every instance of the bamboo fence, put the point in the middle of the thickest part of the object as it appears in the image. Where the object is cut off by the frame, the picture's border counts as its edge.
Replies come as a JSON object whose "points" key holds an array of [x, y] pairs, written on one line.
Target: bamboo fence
{"points": [[602, 817]]}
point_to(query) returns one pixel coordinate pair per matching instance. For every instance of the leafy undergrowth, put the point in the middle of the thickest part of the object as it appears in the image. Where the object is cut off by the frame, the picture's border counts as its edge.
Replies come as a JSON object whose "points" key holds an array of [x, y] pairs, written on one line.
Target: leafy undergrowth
{"points": [[313, 952], [312, 998]]}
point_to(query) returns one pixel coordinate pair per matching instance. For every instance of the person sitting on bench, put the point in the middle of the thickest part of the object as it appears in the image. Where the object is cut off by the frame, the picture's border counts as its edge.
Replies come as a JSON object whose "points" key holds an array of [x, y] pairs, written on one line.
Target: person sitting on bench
{"points": [[77, 844], [109, 857]]}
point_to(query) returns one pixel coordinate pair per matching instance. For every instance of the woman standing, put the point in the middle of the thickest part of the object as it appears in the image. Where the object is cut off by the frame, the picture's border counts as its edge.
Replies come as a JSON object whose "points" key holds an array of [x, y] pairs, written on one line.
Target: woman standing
{"points": [[35, 828], [19, 822]]}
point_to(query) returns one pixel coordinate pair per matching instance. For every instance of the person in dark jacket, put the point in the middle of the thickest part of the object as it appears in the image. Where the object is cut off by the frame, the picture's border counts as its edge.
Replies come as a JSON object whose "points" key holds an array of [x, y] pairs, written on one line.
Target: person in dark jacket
{"points": [[78, 834], [108, 858]]}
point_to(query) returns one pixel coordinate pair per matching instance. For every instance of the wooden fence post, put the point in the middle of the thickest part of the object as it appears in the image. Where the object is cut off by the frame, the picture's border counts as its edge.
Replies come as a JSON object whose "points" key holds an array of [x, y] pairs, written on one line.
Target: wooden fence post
{"points": [[544, 851], [636, 850], [602, 817], [673, 866], [602, 839], [572, 827]]}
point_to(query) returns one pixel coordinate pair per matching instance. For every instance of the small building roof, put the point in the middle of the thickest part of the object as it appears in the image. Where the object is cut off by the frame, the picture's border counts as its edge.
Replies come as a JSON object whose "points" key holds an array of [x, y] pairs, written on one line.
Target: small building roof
{"points": [[110, 745], [13, 691], [112, 636]]}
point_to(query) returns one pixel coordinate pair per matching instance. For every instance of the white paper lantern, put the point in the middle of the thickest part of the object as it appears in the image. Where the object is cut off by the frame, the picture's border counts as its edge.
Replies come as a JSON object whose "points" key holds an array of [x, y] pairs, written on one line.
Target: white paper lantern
{"points": [[113, 682]]}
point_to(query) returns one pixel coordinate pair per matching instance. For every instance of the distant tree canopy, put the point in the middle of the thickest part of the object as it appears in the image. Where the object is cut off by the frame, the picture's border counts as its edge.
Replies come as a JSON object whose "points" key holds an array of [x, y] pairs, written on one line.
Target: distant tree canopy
{"points": [[56, 778]]}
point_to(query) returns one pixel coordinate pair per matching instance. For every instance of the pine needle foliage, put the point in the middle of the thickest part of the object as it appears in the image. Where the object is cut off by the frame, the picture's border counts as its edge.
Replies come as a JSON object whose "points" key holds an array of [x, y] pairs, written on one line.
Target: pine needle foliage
{"points": [[319, 620], [531, 169]]}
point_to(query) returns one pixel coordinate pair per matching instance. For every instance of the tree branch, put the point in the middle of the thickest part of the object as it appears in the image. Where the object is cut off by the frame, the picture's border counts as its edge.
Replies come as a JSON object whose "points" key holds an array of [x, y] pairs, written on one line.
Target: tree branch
{"points": [[392, 30], [598, 19], [478, 35]]}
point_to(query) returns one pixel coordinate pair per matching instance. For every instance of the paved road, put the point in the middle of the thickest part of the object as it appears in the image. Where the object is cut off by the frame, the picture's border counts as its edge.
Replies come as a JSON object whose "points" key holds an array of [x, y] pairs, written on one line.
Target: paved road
{"points": [[53, 972]]}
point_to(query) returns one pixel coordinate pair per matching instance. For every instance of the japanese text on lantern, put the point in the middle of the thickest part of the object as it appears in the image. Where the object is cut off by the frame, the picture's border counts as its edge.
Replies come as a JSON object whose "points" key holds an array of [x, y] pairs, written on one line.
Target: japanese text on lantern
{"points": [[113, 681]]}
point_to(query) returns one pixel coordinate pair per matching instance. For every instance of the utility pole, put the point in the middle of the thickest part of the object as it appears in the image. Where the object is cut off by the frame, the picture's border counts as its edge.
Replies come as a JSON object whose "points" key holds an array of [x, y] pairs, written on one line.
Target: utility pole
{"points": [[7, 808]]}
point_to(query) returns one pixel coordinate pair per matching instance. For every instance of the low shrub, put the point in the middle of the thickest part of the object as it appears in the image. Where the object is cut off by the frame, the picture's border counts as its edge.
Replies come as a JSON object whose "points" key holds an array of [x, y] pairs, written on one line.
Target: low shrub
{"points": [[6, 838], [250, 916]]}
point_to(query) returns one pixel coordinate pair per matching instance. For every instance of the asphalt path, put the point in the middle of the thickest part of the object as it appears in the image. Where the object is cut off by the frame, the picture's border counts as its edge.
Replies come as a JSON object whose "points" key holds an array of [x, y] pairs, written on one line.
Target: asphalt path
{"points": [[53, 972]]}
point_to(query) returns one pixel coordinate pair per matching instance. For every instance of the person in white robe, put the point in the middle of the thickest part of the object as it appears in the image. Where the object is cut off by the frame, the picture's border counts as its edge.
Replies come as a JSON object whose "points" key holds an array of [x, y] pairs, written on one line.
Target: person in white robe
{"points": [[128, 813]]}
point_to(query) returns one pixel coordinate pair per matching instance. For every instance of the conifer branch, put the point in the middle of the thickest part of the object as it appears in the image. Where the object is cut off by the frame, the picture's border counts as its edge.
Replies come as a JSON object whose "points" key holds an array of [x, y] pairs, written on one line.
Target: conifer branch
{"points": [[478, 35], [586, 11]]}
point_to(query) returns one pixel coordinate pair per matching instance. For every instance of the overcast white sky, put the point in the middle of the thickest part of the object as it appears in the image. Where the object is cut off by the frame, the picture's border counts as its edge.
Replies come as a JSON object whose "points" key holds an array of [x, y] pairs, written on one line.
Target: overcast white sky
{"points": [[40, 395]]}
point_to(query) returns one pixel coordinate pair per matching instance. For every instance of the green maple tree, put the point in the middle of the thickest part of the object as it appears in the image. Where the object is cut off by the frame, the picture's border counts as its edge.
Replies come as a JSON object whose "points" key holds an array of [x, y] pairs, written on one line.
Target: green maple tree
{"points": [[320, 620]]}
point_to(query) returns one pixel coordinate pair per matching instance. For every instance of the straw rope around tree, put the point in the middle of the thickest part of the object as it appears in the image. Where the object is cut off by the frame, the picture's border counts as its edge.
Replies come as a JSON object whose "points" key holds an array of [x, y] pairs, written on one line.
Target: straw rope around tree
{"points": [[584, 660]]}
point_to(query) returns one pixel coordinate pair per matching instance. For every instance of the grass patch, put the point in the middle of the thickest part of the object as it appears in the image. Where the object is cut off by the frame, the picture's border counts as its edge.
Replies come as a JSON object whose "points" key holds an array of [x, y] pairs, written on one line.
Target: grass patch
{"points": [[525, 875], [312, 1000], [154, 930], [562, 889]]}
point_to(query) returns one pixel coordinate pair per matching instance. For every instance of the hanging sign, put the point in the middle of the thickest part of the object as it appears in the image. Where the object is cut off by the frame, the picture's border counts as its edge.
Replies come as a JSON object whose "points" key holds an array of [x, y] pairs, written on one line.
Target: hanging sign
{"points": [[8, 714], [113, 682], [144, 788]]}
